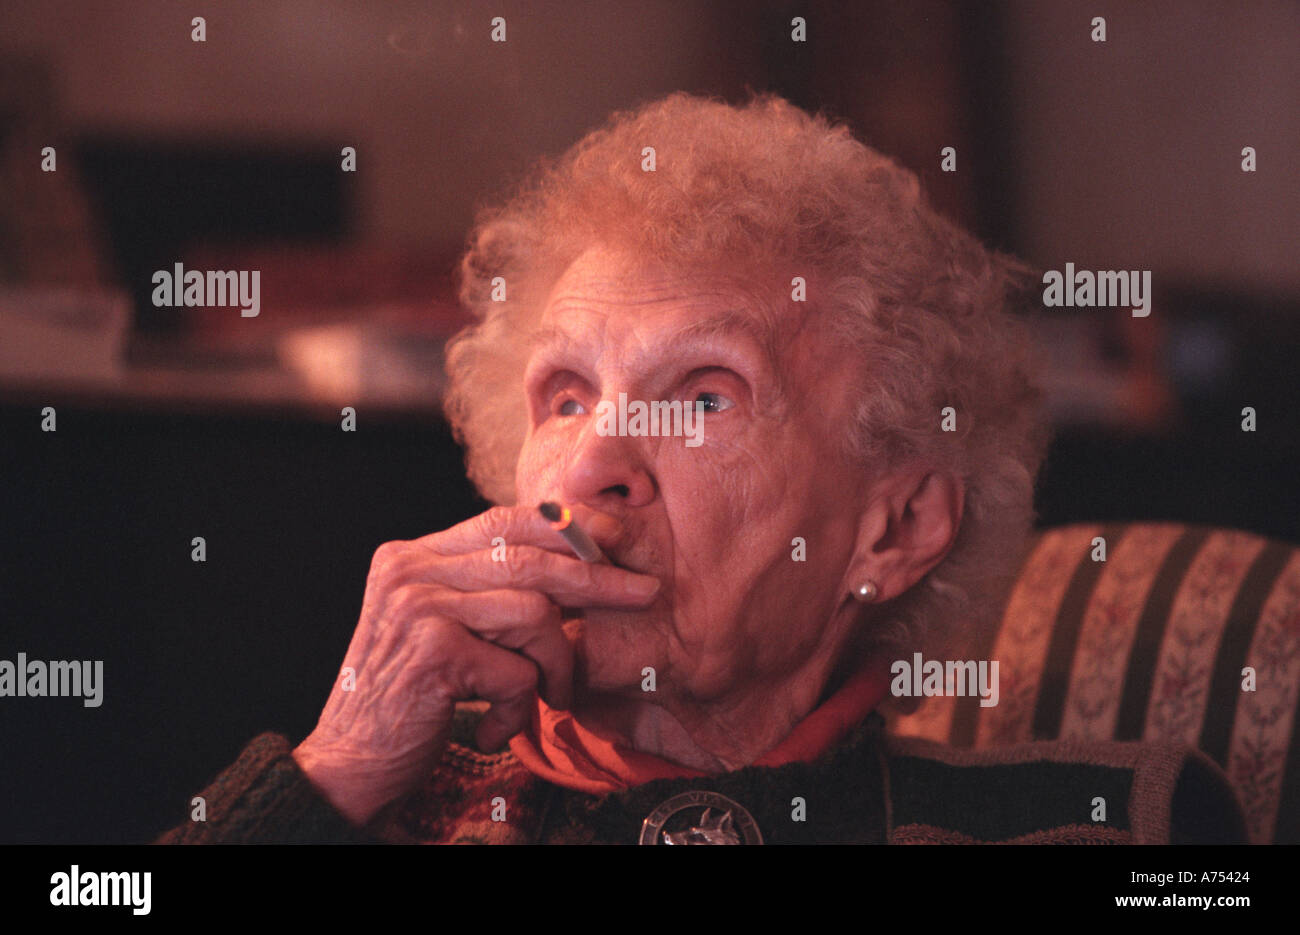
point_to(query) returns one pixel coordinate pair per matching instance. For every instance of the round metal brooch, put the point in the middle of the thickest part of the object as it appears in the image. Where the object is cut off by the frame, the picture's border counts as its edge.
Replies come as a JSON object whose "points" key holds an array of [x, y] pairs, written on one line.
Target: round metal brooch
{"points": [[700, 818]]}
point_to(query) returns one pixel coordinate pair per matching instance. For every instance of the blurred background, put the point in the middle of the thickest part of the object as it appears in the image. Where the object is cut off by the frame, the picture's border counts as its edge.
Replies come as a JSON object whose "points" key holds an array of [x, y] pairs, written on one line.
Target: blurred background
{"points": [[226, 154]]}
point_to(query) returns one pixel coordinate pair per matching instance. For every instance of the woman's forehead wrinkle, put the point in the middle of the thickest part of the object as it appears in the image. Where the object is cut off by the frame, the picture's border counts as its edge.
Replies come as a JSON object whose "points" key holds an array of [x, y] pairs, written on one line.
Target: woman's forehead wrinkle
{"points": [[730, 324], [697, 307], [570, 330], [550, 335]]}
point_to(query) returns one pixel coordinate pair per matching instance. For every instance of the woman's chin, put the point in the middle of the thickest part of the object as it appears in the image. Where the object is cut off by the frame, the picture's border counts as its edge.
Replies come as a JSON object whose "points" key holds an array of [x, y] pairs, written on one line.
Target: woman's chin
{"points": [[612, 648]]}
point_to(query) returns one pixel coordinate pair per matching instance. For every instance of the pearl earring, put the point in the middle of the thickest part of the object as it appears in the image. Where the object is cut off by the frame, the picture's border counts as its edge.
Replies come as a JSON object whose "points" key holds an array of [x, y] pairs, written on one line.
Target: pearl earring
{"points": [[866, 592]]}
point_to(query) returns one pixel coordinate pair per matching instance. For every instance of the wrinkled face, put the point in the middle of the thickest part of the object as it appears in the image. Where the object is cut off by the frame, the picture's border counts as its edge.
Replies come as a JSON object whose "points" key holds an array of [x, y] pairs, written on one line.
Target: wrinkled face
{"points": [[715, 517]]}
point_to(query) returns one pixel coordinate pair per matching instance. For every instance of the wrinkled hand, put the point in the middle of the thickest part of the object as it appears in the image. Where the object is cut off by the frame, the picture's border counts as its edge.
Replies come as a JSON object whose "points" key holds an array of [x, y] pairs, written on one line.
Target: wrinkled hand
{"points": [[442, 622]]}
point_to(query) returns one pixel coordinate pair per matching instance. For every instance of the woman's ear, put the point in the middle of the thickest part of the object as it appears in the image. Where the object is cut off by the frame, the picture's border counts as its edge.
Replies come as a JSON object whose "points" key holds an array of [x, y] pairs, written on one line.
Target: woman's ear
{"points": [[909, 525]]}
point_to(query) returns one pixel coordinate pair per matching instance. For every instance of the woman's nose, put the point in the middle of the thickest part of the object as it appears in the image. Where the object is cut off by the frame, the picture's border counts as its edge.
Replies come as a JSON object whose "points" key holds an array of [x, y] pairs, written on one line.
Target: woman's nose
{"points": [[606, 469]]}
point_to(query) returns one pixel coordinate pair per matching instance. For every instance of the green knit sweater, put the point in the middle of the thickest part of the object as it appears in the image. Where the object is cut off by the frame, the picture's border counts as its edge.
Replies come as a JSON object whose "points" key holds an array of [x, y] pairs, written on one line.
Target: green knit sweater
{"points": [[870, 789]]}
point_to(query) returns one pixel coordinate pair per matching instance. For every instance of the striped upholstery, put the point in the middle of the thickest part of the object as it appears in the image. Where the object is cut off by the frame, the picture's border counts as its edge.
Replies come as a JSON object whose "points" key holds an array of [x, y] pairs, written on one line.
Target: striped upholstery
{"points": [[1151, 644]]}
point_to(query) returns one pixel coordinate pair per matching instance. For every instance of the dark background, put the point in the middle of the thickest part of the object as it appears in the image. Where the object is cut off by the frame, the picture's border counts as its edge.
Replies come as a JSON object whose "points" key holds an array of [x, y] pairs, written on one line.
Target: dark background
{"points": [[96, 518]]}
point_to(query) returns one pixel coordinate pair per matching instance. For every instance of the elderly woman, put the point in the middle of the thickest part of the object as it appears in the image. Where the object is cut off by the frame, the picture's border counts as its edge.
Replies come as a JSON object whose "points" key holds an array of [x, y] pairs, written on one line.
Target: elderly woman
{"points": [[849, 482]]}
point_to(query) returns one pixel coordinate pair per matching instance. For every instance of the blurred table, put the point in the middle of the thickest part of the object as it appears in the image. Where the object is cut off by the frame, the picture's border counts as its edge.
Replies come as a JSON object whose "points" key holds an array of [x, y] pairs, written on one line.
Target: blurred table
{"points": [[166, 375]]}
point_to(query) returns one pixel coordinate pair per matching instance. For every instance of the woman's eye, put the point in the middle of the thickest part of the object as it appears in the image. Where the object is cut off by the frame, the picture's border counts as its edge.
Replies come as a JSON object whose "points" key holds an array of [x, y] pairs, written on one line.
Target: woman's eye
{"points": [[714, 402], [570, 407]]}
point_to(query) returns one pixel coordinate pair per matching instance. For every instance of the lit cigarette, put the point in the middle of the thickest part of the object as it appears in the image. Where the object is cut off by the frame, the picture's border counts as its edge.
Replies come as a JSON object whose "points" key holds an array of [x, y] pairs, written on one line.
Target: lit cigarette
{"points": [[562, 522]]}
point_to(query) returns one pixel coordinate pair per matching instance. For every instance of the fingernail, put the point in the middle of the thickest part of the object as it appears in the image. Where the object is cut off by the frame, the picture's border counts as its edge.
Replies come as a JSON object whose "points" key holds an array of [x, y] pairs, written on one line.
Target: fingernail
{"points": [[605, 527], [643, 586]]}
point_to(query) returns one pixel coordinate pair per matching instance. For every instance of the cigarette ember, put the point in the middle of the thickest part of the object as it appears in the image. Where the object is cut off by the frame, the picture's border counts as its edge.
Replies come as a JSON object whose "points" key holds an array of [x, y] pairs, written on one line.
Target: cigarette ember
{"points": [[562, 522]]}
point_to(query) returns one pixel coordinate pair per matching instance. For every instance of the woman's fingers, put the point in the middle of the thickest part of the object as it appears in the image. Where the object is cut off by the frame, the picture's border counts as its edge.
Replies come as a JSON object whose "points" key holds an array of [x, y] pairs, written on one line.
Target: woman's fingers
{"points": [[524, 622], [568, 581], [469, 667], [470, 612], [519, 525], [515, 548]]}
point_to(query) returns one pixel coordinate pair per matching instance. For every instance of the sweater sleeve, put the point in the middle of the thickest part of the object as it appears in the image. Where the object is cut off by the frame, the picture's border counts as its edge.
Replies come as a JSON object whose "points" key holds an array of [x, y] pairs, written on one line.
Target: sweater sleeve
{"points": [[264, 798]]}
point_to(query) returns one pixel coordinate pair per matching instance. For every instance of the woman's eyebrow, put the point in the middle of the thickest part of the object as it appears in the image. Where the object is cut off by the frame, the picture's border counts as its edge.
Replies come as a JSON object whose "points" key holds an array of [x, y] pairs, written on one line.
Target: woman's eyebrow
{"points": [[548, 335], [715, 326], [726, 325]]}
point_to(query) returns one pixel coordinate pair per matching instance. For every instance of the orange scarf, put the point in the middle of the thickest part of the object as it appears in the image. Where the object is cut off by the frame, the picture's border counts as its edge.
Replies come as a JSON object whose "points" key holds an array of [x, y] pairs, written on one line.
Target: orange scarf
{"points": [[558, 749]]}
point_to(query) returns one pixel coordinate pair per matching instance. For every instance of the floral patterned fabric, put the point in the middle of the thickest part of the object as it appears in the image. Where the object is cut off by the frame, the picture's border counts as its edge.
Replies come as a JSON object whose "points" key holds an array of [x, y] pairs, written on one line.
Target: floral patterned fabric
{"points": [[1154, 632]]}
